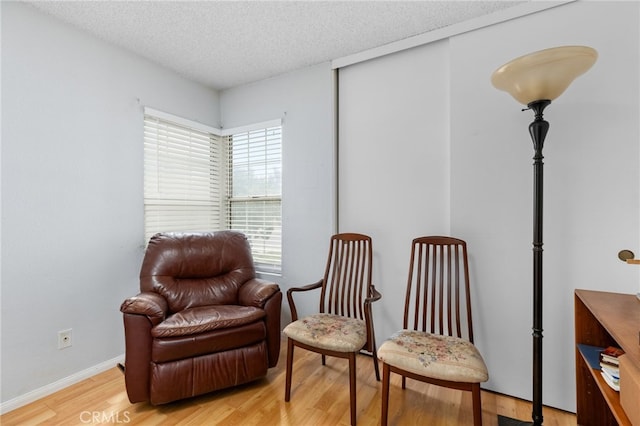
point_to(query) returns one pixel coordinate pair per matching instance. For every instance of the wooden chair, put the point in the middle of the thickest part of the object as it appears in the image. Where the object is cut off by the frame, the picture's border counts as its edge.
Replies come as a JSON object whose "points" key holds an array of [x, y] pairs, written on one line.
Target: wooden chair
{"points": [[344, 325], [436, 342]]}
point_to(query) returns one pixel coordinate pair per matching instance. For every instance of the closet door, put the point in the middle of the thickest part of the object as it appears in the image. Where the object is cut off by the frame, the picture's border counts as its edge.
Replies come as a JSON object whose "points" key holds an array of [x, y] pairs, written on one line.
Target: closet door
{"points": [[393, 159]]}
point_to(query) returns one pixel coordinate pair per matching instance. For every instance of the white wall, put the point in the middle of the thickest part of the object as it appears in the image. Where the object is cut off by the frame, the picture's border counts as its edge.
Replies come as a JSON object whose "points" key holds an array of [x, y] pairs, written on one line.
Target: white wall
{"points": [[468, 171], [304, 99], [72, 219]]}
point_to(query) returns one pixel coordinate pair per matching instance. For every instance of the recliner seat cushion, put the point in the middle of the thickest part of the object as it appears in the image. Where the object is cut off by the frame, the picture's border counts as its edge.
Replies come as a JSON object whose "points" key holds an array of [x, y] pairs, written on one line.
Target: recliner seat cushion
{"points": [[164, 349], [206, 318]]}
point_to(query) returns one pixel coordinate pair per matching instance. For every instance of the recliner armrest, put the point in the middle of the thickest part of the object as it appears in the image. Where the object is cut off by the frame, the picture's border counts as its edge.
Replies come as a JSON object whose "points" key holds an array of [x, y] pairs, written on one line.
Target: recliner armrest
{"points": [[256, 292], [266, 295], [151, 305]]}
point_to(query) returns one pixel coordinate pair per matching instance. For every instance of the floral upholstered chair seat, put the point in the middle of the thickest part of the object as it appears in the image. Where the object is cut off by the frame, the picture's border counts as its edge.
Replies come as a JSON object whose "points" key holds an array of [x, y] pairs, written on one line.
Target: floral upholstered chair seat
{"points": [[327, 331], [440, 357]]}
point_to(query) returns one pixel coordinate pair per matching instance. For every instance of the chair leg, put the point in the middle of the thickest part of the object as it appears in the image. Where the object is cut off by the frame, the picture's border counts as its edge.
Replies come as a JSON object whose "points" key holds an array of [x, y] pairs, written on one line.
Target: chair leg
{"points": [[324, 360], [375, 363], [287, 385], [477, 405], [386, 373], [352, 387]]}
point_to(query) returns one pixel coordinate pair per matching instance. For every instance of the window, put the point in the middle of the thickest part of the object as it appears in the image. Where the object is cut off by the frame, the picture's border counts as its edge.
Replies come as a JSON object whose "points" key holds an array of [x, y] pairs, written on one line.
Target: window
{"points": [[183, 178], [198, 178], [255, 192]]}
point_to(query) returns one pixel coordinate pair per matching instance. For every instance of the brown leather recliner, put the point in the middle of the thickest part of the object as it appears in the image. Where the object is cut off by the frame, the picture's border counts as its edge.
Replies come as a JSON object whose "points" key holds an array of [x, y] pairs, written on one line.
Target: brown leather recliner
{"points": [[202, 320]]}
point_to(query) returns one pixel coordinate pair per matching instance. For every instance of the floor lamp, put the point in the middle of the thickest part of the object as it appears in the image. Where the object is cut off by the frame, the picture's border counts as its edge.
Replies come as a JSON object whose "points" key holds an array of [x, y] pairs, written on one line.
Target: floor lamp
{"points": [[535, 80]]}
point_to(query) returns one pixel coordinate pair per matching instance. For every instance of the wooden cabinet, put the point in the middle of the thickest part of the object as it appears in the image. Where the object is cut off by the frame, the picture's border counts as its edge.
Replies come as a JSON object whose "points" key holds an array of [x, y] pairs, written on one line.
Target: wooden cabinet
{"points": [[603, 319]]}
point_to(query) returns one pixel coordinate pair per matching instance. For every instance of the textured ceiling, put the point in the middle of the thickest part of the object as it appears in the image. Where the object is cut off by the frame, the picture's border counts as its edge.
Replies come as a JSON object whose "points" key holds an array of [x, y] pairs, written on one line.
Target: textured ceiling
{"points": [[228, 43]]}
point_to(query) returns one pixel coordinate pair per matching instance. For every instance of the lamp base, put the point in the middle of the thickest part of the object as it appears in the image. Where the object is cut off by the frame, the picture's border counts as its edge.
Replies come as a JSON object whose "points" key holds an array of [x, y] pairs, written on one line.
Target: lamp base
{"points": [[508, 421]]}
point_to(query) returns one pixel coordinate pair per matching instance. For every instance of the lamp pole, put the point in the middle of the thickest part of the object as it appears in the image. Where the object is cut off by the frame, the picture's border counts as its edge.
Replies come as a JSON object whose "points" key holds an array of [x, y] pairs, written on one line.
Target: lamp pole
{"points": [[535, 80], [538, 130]]}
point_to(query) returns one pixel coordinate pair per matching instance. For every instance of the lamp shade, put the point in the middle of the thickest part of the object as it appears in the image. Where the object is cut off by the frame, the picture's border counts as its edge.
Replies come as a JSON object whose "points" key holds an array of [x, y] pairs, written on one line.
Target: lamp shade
{"points": [[544, 74]]}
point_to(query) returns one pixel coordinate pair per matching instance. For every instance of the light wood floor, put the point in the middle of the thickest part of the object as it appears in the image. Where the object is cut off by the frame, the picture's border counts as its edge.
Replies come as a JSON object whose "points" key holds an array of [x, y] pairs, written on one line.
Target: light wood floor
{"points": [[319, 396]]}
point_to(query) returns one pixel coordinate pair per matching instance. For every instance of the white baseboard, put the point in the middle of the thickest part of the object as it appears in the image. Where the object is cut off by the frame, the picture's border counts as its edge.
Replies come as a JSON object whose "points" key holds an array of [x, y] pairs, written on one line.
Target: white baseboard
{"points": [[36, 394]]}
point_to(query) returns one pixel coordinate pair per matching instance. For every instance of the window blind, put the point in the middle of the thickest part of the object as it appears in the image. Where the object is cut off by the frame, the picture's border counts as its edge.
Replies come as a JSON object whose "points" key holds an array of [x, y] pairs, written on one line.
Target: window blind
{"points": [[255, 188], [184, 178]]}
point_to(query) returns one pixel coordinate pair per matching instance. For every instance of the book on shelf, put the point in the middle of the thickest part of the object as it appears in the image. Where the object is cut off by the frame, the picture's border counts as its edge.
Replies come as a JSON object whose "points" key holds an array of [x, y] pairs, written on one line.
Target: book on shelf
{"points": [[610, 355], [615, 378], [611, 369], [609, 366], [591, 354], [609, 360], [612, 382], [612, 351]]}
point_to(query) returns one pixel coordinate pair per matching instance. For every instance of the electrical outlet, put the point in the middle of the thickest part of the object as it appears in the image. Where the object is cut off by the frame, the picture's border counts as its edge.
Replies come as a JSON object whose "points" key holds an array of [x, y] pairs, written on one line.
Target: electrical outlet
{"points": [[64, 338]]}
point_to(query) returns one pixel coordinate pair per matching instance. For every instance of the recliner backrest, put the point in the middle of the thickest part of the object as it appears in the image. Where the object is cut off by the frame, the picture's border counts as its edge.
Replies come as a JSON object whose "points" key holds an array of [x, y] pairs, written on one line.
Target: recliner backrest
{"points": [[197, 269]]}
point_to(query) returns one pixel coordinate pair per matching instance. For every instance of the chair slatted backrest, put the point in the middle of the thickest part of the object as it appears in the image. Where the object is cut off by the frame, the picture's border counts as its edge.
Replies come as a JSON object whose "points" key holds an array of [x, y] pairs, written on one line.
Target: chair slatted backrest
{"points": [[347, 277], [437, 299]]}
